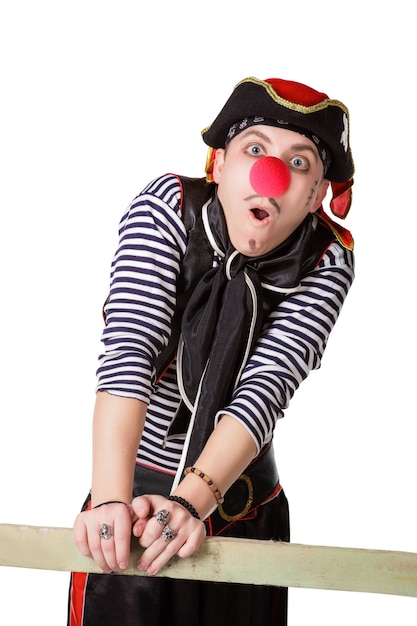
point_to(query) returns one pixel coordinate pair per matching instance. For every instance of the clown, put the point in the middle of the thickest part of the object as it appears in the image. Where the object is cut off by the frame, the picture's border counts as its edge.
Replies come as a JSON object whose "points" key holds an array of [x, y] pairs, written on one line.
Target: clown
{"points": [[223, 293]]}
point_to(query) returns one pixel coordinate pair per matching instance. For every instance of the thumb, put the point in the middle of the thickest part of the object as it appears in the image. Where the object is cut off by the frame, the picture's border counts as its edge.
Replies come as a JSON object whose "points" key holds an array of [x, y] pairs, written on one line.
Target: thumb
{"points": [[142, 510], [142, 506]]}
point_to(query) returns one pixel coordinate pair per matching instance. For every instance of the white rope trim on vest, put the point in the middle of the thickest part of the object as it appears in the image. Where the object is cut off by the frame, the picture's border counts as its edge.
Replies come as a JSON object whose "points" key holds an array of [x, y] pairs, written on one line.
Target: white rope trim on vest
{"points": [[180, 380], [252, 291], [229, 263], [280, 289], [181, 465], [212, 241]]}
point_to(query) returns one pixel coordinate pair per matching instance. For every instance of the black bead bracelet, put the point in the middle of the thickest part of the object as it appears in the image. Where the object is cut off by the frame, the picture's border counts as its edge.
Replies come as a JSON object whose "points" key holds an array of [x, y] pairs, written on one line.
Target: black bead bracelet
{"points": [[187, 505]]}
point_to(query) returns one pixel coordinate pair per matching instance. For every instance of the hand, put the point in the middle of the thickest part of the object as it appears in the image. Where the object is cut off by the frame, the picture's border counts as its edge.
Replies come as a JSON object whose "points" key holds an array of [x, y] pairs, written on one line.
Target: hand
{"points": [[113, 554], [190, 532]]}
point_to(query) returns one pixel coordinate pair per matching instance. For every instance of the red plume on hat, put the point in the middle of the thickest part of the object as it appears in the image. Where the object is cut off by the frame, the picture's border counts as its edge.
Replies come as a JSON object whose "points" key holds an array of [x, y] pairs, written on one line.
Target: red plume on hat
{"points": [[297, 105]]}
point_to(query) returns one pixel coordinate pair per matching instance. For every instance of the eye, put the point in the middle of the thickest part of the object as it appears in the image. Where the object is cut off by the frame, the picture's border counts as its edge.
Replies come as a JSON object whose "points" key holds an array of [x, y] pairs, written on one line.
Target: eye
{"points": [[299, 163], [255, 149]]}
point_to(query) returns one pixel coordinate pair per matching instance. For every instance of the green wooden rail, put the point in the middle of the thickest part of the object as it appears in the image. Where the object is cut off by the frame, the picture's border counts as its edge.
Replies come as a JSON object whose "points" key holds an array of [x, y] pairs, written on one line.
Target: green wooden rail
{"points": [[231, 560]]}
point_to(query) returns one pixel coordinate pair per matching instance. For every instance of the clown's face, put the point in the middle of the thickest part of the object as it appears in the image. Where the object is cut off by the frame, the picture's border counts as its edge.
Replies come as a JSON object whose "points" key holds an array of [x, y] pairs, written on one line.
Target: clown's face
{"points": [[258, 224]]}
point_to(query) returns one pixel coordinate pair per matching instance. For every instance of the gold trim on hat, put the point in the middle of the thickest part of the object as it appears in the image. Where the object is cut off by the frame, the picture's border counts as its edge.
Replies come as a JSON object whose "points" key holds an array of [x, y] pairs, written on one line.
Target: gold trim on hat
{"points": [[299, 108]]}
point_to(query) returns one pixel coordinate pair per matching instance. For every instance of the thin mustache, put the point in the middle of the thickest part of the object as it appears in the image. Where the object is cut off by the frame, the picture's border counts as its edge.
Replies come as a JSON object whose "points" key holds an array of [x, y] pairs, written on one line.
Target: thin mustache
{"points": [[272, 201]]}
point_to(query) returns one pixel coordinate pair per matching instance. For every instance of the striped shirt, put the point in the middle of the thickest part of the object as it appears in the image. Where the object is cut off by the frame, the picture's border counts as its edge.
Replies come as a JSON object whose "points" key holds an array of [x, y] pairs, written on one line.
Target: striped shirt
{"points": [[144, 272]]}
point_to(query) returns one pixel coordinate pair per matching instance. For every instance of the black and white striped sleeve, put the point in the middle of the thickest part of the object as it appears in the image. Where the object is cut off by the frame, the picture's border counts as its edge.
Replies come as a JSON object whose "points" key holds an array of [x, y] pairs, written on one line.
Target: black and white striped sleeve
{"points": [[292, 345], [144, 272]]}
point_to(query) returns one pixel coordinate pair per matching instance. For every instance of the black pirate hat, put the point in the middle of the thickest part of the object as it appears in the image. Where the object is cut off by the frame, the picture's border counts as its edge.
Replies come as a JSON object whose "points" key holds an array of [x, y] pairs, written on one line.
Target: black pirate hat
{"points": [[299, 106]]}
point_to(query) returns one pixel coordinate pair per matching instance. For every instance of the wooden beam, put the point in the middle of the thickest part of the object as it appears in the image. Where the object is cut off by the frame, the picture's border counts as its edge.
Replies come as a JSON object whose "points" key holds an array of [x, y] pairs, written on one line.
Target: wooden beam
{"points": [[231, 560]]}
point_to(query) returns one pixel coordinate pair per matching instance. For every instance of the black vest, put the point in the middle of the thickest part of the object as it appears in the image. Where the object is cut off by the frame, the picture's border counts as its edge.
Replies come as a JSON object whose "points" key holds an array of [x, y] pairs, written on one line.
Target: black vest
{"points": [[198, 258]]}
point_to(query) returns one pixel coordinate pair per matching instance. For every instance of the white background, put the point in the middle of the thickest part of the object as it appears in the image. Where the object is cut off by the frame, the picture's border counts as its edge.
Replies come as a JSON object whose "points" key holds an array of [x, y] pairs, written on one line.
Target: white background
{"points": [[96, 99]]}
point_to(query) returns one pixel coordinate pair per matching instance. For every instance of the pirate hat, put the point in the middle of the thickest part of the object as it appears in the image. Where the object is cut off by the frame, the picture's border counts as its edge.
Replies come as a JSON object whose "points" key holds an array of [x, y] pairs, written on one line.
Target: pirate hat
{"points": [[299, 106]]}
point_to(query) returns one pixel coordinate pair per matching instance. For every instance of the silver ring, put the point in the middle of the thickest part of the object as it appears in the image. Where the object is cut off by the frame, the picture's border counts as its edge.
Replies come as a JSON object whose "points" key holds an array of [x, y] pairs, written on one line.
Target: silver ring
{"points": [[168, 533], [106, 532], [162, 517]]}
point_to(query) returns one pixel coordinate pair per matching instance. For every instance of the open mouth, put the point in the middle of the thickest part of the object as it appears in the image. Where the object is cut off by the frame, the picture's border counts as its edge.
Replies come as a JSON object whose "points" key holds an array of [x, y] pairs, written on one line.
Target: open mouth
{"points": [[260, 214]]}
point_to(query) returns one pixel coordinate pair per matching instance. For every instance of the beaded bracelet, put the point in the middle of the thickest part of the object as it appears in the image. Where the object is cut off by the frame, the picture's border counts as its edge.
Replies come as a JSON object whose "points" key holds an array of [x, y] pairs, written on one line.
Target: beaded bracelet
{"points": [[207, 479], [187, 505], [109, 502]]}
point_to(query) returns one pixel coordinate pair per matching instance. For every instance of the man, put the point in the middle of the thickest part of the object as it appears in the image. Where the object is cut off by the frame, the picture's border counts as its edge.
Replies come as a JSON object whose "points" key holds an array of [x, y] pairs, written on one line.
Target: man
{"points": [[223, 294]]}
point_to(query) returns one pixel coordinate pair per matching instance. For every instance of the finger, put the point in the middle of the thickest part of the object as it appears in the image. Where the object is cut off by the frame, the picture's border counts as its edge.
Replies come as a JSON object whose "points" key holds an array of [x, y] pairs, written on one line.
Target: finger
{"points": [[108, 549], [185, 542], [154, 527], [154, 551], [81, 537], [122, 541], [139, 527], [193, 542], [109, 534], [159, 553], [142, 506], [96, 546], [115, 542]]}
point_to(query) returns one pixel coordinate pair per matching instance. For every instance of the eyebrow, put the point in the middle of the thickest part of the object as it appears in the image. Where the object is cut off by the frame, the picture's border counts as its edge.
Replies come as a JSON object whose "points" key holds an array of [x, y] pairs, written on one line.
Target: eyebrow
{"points": [[305, 146], [297, 146]]}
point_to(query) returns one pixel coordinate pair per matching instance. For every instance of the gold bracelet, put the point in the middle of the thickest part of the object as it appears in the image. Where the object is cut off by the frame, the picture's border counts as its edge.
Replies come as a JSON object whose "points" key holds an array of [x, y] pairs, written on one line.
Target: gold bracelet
{"points": [[207, 479]]}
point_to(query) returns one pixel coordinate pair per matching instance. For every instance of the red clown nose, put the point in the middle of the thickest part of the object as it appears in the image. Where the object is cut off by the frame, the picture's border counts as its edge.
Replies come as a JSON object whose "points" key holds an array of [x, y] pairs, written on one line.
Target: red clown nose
{"points": [[269, 177]]}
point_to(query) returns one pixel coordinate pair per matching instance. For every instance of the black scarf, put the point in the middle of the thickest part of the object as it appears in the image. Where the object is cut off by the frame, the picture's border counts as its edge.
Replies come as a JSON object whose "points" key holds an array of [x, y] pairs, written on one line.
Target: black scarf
{"points": [[223, 320]]}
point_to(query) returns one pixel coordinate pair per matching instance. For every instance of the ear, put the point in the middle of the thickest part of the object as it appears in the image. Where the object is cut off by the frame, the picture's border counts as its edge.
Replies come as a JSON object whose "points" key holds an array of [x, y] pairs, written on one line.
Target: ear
{"points": [[321, 194], [218, 164]]}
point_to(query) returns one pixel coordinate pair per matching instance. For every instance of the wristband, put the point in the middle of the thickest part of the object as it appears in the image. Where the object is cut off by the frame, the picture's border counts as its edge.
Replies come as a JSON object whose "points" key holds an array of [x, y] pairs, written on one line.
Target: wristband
{"points": [[207, 479], [109, 502], [187, 505]]}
